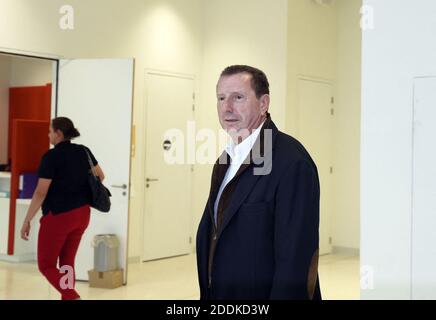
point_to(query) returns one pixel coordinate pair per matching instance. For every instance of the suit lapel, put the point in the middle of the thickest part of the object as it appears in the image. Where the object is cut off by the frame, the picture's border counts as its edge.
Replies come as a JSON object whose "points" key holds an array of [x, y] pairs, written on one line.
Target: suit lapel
{"points": [[242, 190], [263, 159]]}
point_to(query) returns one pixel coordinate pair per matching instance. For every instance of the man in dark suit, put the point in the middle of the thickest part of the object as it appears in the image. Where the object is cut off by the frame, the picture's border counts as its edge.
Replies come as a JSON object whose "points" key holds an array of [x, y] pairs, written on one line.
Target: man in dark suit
{"points": [[258, 237]]}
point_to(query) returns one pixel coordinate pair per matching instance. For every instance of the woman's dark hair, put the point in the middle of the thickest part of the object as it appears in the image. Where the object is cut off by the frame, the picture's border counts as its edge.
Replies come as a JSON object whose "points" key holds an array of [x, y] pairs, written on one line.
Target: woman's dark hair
{"points": [[66, 126]]}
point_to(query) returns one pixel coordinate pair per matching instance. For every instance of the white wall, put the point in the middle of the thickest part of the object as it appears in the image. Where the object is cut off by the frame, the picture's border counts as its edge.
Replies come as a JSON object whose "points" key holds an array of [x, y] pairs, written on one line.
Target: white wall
{"points": [[30, 72], [400, 47], [312, 49], [324, 43], [159, 34], [197, 37], [5, 74], [346, 149], [239, 32], [164, 35]]}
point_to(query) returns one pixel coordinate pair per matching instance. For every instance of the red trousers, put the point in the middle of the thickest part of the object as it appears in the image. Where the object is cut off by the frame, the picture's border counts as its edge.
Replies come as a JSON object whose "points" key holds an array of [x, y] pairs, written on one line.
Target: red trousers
{"points": [[59, 238]]}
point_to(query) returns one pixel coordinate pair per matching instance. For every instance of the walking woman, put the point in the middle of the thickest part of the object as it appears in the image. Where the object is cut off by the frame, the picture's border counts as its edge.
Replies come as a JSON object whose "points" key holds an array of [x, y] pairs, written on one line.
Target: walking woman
{"points": [[64, 194]]}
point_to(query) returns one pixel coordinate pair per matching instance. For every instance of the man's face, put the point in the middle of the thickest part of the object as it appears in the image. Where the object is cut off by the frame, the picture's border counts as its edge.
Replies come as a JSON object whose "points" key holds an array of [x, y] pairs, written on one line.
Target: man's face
{"points": [[238, 106]]}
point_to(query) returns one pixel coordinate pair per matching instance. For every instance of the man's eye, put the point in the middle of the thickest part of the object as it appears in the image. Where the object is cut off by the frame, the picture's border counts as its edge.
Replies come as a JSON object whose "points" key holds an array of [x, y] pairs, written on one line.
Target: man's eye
{"points": [[239, 97]]}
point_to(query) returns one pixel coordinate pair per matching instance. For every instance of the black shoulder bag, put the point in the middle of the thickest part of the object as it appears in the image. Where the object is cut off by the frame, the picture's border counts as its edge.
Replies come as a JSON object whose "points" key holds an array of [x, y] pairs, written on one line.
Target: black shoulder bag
{"points": [[100, 194]]}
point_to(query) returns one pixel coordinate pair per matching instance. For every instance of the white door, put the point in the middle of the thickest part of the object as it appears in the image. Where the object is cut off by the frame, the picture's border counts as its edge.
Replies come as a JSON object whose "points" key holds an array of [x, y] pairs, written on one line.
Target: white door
{"points": [[97, 96], [315, 133], [423, 220], [167, 214]]}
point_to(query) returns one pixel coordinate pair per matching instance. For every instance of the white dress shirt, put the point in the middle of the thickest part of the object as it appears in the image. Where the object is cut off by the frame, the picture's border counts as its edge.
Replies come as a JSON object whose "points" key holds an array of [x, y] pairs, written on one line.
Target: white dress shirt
{"points": [[238, 153]]}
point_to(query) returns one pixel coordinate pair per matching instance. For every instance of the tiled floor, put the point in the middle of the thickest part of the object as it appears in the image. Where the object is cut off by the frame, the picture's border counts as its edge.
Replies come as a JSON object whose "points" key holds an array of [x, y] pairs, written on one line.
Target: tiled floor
{"points": [[174, 278]]}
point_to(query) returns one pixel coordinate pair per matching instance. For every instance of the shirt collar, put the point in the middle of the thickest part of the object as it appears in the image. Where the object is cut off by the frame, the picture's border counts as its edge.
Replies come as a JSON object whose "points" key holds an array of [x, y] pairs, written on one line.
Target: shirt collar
{"points": [[240, 151]]}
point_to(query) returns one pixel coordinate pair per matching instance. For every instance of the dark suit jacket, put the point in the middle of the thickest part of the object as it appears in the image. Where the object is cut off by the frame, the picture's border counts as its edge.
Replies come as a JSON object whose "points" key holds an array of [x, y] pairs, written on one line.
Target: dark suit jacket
{"points": [[266, 245]]}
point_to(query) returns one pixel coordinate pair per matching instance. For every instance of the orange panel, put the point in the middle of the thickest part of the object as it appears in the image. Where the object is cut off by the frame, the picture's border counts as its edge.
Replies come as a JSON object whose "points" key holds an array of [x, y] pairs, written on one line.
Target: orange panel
{"points": [[28, 103]]}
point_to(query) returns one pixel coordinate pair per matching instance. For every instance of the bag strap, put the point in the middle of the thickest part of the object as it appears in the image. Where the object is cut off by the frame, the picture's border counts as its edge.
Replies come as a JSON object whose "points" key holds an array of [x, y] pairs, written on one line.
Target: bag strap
{"points": [[91, 165]]}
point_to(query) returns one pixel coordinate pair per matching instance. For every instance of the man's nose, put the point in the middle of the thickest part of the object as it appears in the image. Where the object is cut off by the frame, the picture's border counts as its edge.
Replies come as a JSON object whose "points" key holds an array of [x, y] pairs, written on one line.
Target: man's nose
{"points": [[227, 106]]}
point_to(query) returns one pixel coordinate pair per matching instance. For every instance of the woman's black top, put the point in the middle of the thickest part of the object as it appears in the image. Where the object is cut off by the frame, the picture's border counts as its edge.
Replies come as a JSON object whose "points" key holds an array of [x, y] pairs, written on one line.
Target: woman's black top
{"points": [[68, 167]]}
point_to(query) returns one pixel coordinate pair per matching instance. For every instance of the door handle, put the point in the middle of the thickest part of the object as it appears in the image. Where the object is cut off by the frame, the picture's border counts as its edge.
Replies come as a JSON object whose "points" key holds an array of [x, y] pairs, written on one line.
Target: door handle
{"points": [[123, 186]]}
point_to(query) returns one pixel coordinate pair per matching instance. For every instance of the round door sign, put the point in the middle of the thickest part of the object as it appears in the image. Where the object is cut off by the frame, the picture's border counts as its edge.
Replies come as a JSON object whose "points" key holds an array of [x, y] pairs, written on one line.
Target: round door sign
{"points": [[167, 145]]}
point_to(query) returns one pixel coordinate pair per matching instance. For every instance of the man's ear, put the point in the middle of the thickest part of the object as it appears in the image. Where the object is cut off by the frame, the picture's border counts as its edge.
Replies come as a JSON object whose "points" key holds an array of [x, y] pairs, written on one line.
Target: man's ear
{"points": [[264, 103]]}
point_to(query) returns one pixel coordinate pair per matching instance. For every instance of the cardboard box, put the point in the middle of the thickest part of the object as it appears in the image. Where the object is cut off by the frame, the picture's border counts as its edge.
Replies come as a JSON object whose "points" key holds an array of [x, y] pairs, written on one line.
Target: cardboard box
{"points": [[108, 279]]}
